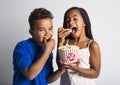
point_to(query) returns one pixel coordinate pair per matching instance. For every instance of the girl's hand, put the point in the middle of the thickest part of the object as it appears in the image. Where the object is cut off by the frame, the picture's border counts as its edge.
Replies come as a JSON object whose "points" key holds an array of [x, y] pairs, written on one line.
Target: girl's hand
{"points": [[62, 33], [72, 66]]}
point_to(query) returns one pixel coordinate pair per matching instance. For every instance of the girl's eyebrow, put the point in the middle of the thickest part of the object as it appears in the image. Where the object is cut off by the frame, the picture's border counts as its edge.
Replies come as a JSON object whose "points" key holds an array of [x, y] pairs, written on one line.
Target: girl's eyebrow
{"points": [[73, 16]]}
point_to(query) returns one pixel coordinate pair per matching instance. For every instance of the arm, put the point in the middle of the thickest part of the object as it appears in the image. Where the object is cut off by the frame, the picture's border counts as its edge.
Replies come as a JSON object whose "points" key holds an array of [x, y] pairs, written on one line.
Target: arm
{"points": [[62, 33], [37, 66], [55, 75], [95, 63]]}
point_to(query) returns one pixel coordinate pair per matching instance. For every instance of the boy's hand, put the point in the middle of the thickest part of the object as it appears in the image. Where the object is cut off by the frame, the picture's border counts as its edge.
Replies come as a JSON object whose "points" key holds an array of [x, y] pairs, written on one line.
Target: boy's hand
{"points": [[49, 43], [62, 33], [61, 65]]}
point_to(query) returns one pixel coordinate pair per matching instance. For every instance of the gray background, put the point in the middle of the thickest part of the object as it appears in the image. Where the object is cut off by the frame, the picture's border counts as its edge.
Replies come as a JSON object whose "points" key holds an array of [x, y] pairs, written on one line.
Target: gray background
{"points": [[105, 20]]}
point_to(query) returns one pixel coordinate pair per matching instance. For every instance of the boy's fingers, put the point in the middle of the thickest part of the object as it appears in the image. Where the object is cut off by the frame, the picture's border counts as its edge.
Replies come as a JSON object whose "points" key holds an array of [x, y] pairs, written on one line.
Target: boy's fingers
{"points": [[45, 40]]}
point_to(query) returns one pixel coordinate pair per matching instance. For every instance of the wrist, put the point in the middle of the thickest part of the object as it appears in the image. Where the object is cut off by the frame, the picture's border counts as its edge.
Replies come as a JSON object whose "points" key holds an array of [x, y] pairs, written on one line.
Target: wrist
{"points": [[62, 69], [48, 51], [60, 44]]}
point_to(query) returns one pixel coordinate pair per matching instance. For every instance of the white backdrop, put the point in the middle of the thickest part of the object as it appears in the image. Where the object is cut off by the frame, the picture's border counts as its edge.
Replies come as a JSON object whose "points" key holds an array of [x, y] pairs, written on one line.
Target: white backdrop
{"points": [[105, 19]]}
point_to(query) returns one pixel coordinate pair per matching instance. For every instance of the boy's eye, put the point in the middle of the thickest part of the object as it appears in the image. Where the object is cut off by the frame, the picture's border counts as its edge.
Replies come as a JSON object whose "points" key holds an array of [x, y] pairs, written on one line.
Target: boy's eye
{"points": [[41, 30], [50, 28]]}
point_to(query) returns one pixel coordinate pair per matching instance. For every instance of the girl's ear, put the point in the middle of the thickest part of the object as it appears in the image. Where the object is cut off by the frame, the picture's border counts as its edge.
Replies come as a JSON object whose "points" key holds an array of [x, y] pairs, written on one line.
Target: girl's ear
{"points": [[31, 31]]}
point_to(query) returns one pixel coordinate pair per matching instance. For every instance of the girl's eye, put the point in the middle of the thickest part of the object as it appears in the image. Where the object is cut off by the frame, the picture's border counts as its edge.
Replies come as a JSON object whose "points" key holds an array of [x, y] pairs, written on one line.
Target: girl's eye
{"points": [[75, 19]]}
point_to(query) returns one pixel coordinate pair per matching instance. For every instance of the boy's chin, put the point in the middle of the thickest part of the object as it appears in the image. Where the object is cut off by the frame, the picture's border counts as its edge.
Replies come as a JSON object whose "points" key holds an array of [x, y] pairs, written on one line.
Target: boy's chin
{"points": [[40, 43]]}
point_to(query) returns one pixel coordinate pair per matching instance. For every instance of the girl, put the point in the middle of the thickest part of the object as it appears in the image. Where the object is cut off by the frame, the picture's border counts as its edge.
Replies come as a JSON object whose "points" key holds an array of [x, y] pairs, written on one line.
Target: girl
{"points": [[76, 30]]}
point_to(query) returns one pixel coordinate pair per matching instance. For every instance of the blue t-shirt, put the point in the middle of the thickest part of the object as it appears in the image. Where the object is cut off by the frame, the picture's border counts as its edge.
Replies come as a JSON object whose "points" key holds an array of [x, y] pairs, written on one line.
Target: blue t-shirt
{"points": [[25, 53]]}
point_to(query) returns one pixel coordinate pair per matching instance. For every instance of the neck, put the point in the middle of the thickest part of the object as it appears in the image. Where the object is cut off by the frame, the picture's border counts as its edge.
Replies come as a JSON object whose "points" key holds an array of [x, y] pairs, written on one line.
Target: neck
{"points": [[81, 38], [36, 42]]}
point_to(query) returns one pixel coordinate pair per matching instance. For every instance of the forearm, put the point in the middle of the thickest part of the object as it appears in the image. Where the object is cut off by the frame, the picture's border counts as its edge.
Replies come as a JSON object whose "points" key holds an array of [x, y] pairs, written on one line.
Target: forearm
{"points": [[88, 72], [94, 61], [55, 75], [37, 66], [60, 43]]}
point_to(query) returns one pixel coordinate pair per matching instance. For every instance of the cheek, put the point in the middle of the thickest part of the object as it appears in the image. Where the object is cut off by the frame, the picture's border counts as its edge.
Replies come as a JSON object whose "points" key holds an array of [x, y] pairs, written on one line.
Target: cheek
{"points": [[51, 34], [40, 36], [81, 26]]}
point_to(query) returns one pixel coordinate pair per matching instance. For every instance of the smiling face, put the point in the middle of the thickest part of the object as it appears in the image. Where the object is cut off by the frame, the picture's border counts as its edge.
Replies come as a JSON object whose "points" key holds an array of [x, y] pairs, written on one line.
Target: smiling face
{"points": [[75, 23], [43, 29]]}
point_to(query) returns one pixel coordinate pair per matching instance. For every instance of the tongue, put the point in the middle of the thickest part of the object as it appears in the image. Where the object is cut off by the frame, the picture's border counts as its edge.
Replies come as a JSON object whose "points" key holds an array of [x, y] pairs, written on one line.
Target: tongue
{"points": [[73, 31]]}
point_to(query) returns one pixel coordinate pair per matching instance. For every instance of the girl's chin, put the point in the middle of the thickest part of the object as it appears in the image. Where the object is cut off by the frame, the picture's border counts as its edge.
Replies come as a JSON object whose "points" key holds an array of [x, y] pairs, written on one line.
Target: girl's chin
{"points": [[75, 36]]}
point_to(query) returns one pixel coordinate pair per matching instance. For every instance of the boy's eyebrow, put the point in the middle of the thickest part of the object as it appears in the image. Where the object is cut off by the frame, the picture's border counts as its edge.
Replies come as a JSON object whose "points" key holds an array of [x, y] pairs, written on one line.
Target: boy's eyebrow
{"points": [[44, 27], [39, 27], [51, 26]]}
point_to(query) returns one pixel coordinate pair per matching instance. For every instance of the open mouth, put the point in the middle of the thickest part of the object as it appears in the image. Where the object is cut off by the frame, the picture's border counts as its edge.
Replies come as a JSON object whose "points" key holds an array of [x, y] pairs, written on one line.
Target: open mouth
{"points": [[73, 30], [47, 38]]}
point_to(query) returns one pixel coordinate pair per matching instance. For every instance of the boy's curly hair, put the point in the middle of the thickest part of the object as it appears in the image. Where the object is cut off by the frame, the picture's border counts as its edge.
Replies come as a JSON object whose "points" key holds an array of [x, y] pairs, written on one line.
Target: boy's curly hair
{"points": [[39, 13]]}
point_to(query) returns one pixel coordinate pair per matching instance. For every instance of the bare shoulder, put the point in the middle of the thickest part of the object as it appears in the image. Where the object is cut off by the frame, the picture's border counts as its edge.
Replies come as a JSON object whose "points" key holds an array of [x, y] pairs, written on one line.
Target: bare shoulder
{"points": [[94, 45], [95, 53]]}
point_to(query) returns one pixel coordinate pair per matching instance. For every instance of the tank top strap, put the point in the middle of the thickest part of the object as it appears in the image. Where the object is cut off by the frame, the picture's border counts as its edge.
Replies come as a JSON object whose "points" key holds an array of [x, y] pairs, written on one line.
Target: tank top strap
{"points": [[89, 43]]}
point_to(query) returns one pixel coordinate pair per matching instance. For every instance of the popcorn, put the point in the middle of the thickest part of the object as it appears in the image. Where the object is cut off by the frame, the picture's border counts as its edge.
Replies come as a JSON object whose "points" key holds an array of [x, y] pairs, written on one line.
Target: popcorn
{"points": [[68, 53]]}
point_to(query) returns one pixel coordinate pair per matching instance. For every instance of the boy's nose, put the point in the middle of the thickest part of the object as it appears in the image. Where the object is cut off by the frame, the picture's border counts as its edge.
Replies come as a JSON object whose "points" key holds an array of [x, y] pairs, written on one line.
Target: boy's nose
{"points": [[46, 33]]}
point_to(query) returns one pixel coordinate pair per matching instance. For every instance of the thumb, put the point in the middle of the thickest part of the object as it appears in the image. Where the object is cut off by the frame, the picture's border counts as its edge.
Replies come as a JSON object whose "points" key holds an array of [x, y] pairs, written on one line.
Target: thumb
{"points": [[78, 61]]}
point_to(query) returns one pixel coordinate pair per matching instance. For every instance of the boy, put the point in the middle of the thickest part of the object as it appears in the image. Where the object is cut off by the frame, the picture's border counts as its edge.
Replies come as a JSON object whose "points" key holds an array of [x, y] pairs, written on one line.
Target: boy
{"points": [[32, 58]]}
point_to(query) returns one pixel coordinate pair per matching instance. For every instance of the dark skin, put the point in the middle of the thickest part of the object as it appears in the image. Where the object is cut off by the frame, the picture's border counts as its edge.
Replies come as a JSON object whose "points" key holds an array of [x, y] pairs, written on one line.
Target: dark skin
{"points": [[42, 30], [80, 39], [42, 35]]}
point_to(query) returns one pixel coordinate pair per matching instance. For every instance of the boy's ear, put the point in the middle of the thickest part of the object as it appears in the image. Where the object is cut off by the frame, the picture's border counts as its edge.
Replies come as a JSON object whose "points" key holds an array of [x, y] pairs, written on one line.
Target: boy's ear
{"points": [[31, 31]]}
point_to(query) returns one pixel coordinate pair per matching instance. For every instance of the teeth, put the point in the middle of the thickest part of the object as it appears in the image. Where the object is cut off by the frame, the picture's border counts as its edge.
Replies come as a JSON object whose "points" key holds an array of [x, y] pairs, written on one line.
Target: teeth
{"points": [[74, 29], [46, 37]]}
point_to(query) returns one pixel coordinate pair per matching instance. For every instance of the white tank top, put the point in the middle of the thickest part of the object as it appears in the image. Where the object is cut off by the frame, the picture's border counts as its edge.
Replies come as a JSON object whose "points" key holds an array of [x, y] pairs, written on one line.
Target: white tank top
{"points": [[72, 78]]}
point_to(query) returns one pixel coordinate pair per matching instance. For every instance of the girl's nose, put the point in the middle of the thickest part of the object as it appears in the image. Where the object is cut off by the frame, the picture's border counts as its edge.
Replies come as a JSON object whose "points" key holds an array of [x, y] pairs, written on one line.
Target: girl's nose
{"points": [[71, 22]]}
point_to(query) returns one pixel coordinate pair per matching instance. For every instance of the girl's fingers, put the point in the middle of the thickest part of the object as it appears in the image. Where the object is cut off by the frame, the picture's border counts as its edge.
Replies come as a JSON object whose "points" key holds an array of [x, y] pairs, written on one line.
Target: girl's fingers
{"points": [[64, 33], [60, 29]]}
